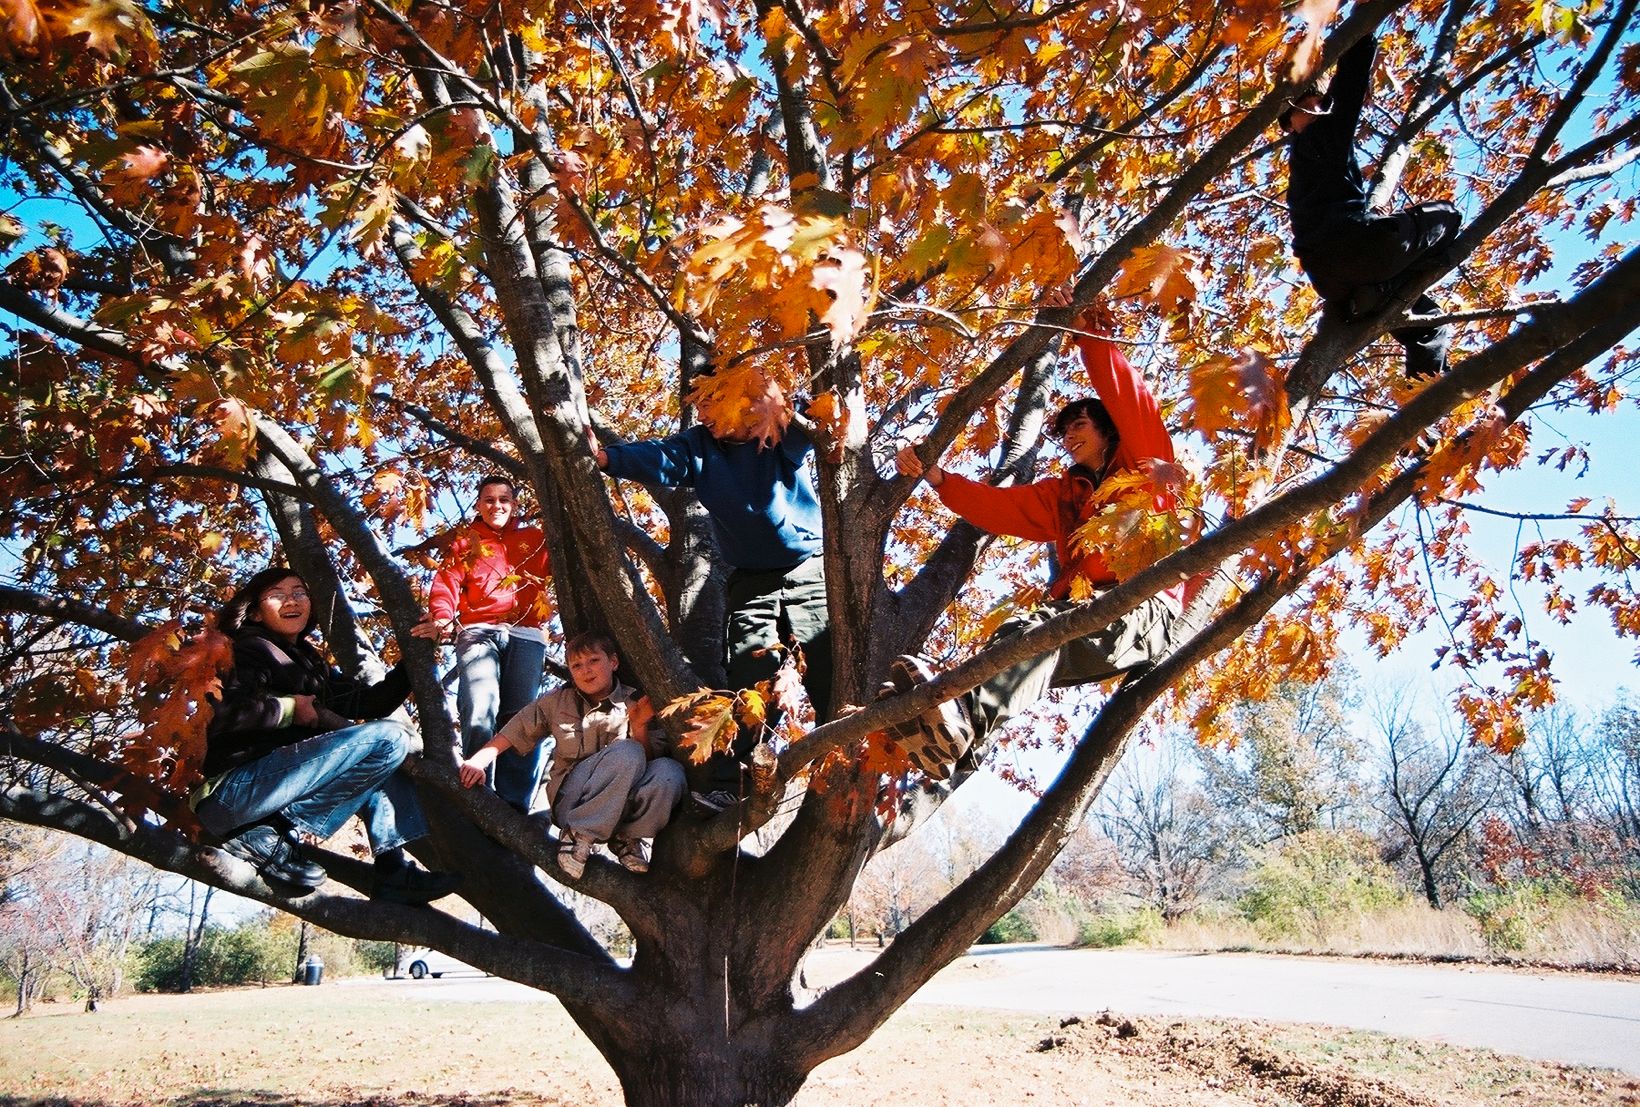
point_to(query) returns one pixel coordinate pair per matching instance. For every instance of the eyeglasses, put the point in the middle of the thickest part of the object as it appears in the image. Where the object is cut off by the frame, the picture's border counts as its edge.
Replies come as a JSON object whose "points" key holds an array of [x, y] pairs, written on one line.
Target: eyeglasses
{"points": [[298, 596]]}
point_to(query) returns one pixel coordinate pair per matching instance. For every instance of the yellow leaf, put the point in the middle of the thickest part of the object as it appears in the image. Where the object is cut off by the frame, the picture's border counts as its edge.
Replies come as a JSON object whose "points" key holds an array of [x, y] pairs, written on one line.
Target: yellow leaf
{"points": [[109, 25], [1160, 275]]}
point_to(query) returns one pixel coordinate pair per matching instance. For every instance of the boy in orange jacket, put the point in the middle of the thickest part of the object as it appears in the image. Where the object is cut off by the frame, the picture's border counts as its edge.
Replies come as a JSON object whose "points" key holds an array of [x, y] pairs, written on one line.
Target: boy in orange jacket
{"points": [[1118, 430]]}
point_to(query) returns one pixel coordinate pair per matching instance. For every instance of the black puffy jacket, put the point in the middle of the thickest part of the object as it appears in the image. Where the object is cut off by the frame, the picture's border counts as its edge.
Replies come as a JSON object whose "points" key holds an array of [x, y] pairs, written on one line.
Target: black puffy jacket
{"points": [[266, 669]]}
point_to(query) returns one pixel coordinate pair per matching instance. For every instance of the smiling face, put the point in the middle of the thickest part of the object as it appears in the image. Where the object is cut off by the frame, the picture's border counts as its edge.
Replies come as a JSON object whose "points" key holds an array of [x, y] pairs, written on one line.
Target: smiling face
{"points": [[496, 503], [1085, 442], [593, 672], [284, 608]]}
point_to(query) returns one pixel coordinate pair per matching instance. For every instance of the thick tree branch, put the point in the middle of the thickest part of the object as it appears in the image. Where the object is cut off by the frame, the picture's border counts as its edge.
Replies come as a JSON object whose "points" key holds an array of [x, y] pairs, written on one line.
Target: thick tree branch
{"points": [[24, 602], [572, 977], [1592, 310]]}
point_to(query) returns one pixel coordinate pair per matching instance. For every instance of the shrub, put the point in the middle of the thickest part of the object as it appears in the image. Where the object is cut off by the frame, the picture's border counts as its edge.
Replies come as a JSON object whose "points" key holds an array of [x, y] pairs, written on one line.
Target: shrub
{"points": [[1316, 879], [1120, 929], [1550, 918], [376, 956], [1012, 927], [251, 952]]}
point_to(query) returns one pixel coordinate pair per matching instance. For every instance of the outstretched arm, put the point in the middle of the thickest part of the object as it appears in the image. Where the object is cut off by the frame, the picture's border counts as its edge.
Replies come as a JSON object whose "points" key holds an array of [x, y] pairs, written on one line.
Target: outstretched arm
{"points": [[671, 461], [1027, 511], [1352, 80]]}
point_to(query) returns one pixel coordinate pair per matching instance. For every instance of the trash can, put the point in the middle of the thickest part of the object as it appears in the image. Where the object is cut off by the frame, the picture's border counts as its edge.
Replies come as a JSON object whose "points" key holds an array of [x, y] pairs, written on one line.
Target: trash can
{"points": [[313, 970]]}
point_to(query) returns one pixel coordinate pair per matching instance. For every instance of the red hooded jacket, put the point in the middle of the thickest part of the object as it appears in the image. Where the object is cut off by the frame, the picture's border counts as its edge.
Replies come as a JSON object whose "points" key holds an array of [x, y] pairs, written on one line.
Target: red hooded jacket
{"points": [[491, 576], [1052, 510]]}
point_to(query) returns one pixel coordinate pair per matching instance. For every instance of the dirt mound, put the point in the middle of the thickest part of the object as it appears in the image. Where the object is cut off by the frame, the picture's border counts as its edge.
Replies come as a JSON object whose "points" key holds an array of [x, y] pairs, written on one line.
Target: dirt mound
{"points": [[1227, 1058]]}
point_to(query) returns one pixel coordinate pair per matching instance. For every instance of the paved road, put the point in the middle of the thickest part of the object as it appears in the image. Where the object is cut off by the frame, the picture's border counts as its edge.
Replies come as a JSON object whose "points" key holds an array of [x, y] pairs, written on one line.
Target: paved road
{"points": [[1585, 1020]]}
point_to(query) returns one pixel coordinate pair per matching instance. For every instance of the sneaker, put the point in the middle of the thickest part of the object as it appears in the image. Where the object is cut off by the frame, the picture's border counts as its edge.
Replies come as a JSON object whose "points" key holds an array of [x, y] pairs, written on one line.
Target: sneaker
{"points": [[938, 738], [274, 854], [413, 887], [715, 802], [573, 852], [631, 853], [904, 674]]}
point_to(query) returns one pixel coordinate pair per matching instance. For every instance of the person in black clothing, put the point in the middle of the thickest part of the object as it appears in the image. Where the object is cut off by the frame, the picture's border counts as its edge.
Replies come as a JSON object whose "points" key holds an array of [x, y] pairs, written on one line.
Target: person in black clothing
{"points": [[283, 754], [1354, 256]]}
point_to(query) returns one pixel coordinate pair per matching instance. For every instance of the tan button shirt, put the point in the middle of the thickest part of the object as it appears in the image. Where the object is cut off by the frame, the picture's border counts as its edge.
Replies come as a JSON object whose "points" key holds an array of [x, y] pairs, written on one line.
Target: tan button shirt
{"points": [[578, 727]]}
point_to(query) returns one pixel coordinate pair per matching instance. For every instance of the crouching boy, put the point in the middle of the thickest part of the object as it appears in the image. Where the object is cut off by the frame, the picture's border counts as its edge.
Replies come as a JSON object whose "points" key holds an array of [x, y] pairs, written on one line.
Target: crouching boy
{"points": [[610, 779]]}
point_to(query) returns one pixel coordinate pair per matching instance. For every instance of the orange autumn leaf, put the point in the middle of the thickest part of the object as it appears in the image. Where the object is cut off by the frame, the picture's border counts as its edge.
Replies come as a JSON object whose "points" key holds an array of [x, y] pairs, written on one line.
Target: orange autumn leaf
{"points": [[1161, 275], [764, 279], [1241, 392], [235, 428], [176, 679], [880, 755], [110, 27], [707, 721], [742, 404]]}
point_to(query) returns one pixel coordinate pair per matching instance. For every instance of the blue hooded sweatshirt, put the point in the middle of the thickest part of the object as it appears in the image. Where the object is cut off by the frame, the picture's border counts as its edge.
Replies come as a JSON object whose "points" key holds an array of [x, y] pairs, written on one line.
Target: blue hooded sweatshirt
{"points": [[761, 501]]}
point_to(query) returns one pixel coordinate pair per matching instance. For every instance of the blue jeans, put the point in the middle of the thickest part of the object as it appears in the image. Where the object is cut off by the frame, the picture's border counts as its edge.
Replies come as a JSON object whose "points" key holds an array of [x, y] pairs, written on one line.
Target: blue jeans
{"points": [[321, 782], [498, 675]]}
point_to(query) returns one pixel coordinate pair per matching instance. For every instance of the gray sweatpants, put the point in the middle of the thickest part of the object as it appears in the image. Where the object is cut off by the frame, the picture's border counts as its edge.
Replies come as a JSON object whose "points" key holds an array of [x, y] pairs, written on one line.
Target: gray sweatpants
{"points": [[619, 793], [1141, 635]]}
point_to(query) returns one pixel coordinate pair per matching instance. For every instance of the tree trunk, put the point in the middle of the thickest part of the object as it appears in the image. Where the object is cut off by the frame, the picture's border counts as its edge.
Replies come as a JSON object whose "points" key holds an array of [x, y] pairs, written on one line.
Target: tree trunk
{"points": [[707, 1073], [301, 952], [193, 937], [1426, 868], [25, 982]]}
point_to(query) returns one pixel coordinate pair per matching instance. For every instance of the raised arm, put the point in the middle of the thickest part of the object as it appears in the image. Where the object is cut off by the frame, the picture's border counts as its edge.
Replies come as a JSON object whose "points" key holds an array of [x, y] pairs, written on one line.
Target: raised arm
{"points": [[1128, 398], [1352, 79]]}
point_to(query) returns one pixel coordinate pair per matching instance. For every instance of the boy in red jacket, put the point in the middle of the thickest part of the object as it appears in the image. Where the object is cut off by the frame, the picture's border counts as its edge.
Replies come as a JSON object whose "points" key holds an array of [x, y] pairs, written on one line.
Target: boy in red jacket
{"points": [[489, 594], [1117, 431]]}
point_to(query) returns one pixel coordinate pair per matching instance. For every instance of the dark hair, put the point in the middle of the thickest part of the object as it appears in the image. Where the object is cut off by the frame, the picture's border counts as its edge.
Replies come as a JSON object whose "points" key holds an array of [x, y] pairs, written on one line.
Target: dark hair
{"points": [[1095, 410], [589, 640], [237, 611], [1292, 108], [496, 478]]}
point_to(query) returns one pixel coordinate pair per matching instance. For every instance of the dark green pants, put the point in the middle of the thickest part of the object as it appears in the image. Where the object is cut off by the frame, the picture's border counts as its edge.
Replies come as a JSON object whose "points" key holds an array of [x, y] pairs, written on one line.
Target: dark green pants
{"points": [[1140, 636], [772, 607]]}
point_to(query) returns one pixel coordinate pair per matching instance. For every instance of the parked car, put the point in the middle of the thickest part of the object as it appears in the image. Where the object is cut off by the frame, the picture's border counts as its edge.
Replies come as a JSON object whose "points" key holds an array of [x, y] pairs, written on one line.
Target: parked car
{"points": [[419, 964]]}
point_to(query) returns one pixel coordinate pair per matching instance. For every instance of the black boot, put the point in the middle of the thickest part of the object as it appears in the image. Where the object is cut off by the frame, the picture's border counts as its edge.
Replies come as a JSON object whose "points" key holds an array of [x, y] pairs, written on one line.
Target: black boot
{"points": [[275, 855], [399, 881]]}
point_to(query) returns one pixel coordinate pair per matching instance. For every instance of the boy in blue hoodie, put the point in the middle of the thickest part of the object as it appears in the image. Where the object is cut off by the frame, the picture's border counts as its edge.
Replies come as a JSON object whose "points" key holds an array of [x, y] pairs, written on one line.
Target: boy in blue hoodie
{"points": [[766, 519]]}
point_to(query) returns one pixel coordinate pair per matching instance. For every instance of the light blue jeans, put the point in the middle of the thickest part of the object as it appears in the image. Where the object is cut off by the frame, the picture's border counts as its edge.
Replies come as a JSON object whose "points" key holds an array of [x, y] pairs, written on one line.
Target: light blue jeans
{"points": [[498, 674], [321, 782]]}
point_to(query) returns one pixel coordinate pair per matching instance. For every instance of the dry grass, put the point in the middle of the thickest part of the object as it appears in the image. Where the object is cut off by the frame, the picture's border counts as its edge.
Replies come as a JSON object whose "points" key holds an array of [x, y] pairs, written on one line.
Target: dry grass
{"points": [[394, 1044], [1579, 933]]}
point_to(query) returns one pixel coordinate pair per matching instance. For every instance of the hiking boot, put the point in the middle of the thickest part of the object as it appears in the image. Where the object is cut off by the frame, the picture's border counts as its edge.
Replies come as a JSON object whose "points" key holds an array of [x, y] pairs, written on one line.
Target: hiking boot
{"points": [[1368, 300], [274, 854], [706, 804], [937, 738], [631, 853], [413, 887], [573, 852]]}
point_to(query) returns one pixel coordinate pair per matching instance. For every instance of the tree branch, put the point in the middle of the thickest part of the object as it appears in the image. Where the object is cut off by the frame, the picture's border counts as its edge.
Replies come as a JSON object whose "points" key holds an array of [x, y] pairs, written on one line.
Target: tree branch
{"points": [[24, 602], [1568, 333]]}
